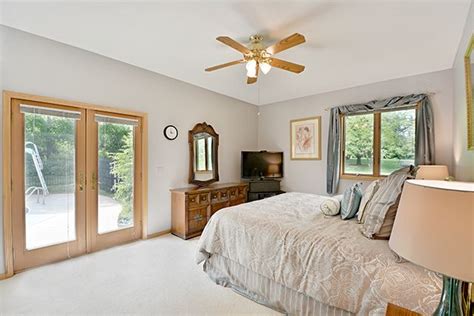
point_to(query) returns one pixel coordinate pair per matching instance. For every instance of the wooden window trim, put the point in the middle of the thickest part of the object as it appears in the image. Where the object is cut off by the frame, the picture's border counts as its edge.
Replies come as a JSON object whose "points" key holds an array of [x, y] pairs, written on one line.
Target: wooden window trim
{"points": [[376, 171], [8, 97]]}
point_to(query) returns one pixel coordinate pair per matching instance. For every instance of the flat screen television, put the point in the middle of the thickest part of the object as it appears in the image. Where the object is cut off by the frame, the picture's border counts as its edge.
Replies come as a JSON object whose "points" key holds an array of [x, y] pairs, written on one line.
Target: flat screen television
{"points": [[261, 165]]}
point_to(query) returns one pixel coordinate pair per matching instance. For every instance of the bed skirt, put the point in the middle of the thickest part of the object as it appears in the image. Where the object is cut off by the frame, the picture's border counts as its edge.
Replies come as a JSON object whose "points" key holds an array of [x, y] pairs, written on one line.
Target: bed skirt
{"points": [[265, 291]]}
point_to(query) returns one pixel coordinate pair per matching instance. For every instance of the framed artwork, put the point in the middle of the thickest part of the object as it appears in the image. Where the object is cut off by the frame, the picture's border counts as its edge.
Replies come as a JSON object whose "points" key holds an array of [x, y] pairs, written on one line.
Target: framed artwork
{"points": [[469, 68], [305, 138]]}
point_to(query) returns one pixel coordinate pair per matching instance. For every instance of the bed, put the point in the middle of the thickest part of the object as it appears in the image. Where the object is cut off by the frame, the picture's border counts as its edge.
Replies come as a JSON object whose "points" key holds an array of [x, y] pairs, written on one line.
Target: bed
{"points": [[282, 252]]}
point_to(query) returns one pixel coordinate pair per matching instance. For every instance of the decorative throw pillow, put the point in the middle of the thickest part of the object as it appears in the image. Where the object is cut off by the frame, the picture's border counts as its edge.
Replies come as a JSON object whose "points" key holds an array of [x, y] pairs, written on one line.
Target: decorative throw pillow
{"points": [[382, 208], [350, 202], [368, 194], [331, 205]]}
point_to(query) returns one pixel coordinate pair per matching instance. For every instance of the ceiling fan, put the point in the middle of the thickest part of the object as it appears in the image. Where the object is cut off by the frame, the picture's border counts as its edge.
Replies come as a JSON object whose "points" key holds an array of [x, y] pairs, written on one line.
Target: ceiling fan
{"points": [[258, 58]]}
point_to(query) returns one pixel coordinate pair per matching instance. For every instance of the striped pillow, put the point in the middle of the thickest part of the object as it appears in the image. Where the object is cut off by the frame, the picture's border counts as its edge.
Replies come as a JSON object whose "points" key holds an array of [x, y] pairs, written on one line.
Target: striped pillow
{"points": [[382, 208], [368, 194]]}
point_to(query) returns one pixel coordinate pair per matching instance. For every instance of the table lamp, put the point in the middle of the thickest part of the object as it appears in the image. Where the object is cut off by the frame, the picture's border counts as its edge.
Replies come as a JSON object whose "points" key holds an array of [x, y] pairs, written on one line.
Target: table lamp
{"points": [[432, 172], [434, 228]]}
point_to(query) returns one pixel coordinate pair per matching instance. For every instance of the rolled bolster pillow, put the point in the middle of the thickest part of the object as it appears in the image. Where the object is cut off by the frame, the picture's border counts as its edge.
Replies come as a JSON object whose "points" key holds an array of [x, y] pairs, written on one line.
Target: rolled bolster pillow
{"points": [[330, 206]]}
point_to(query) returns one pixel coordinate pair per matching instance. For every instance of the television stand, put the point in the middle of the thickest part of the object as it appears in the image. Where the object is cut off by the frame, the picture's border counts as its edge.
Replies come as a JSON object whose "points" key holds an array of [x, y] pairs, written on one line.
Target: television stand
{"points": [[263, 188]]}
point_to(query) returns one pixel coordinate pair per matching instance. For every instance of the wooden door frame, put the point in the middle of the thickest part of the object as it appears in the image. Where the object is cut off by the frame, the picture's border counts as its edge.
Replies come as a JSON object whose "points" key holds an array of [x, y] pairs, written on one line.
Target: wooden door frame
{"points": [[95, 240], [8, 96], [25, 258]]}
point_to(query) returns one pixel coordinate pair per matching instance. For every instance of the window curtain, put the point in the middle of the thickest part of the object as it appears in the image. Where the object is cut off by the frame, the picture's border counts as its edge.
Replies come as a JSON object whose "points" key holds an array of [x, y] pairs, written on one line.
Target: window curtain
{"points": [[424, 133]]}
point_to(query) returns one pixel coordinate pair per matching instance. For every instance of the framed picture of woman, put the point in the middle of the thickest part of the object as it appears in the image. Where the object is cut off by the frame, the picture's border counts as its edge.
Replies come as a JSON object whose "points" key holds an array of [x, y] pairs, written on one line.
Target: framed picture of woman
{"points": [[305, 138]]}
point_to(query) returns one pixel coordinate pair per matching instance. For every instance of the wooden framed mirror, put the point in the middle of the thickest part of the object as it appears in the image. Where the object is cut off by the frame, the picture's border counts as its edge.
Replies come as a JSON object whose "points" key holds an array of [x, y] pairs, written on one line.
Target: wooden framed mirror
{"points": [[203, 155]]}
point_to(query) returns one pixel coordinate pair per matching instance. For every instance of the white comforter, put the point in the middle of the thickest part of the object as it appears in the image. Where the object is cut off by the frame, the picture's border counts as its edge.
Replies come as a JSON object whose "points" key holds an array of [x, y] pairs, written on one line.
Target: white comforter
{"points": [[287, 239]]}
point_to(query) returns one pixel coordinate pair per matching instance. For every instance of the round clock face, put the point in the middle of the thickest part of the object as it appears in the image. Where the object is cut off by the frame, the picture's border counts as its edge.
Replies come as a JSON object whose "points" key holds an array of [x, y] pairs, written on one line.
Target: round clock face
{"points": [[171, 132]]}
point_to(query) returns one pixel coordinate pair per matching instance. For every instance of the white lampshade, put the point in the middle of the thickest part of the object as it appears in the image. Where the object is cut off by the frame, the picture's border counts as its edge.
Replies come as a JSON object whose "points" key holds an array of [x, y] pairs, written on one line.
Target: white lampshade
{"points": [[432, 172], [251, 68], [265, 68], [434, 227]]}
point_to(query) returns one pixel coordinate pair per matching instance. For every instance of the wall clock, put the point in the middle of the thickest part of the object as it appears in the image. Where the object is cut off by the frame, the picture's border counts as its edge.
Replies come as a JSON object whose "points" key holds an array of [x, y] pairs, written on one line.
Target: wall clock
{"points": [[170, 132]]}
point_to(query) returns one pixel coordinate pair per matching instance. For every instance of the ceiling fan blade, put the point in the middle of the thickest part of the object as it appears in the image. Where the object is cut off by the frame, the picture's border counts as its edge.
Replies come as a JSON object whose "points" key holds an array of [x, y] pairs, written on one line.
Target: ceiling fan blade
{"points": [[251, 80], [235, 62], [286, 65], [286, 43], [234, 44]]}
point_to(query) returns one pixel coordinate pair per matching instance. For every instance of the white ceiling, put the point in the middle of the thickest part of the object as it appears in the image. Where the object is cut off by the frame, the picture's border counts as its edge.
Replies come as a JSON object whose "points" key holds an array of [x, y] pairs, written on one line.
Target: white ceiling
{"points": [[349, 43]]}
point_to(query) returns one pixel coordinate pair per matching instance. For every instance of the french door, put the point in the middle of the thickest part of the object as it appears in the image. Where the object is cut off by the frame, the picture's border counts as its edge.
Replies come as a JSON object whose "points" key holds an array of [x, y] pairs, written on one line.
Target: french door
{"points": [[113, 209], [75, 181]]}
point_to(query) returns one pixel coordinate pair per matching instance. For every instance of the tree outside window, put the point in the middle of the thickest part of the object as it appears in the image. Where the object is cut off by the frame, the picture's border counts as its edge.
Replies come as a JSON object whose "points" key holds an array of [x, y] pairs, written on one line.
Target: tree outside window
{"points": [[376, 144]]}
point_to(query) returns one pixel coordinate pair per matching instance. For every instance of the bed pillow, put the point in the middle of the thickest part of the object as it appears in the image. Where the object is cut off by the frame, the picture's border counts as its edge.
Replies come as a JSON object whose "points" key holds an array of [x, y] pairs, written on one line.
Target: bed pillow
{"points": [[382, 208], [331, 206], [368, 194], [351, 200]]}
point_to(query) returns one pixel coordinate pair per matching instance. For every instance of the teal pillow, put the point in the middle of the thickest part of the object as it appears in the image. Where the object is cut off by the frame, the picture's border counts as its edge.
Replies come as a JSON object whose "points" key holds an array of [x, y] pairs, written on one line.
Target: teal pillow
{"points": [[351, 201]]}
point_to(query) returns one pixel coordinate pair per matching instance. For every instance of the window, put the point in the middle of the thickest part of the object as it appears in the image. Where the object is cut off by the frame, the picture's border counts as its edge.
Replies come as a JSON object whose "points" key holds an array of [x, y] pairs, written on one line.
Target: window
{"points": [[203, 148], [201, 154], [376, 144]]}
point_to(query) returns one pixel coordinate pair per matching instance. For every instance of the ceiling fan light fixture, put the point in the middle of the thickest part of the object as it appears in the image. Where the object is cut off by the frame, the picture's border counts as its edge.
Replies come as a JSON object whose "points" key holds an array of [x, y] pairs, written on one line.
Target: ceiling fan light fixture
{"points": [[265, 67], [251, 68], [251, 64], [252, 73]]}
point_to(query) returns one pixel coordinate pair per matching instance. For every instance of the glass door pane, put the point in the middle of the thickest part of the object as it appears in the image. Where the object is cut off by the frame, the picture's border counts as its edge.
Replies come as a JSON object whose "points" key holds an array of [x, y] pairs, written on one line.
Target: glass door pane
{"points": [[49, 175], [397, 140], [359, 144], [116, 156]]}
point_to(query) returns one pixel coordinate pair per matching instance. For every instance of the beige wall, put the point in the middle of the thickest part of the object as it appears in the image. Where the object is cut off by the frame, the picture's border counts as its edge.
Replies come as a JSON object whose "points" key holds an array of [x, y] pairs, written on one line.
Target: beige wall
{"points": [[36, 65], [310, 176], [463, 159]]}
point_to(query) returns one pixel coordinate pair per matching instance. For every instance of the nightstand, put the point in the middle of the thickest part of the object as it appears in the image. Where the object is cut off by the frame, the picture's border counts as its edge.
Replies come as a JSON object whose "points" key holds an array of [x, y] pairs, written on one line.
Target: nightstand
{"points": [[394, 310]]}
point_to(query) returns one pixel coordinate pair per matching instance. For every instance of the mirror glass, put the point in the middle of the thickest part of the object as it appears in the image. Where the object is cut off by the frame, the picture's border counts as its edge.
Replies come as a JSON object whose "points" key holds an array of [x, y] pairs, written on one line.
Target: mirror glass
{"points": [[203, 164], [203, 157]]}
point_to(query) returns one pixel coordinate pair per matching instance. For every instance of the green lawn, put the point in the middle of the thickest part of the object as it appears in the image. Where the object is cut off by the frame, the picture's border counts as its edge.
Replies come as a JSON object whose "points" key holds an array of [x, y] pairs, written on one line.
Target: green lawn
{"points": [[388, 165]]}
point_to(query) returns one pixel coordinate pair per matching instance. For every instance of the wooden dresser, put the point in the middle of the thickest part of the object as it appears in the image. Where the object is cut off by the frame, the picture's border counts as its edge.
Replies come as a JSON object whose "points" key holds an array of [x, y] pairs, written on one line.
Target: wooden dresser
{"points": [[191, 208]]}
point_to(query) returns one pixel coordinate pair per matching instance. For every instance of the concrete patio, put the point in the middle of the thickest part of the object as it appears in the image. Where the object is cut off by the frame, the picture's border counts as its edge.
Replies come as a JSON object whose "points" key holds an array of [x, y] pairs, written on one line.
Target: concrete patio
{"points": [[54, 221]]}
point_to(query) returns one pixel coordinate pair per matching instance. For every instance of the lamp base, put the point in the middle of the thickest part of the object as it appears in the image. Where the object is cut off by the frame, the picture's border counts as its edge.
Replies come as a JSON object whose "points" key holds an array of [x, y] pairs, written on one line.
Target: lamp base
{"points": [[450, 304]]}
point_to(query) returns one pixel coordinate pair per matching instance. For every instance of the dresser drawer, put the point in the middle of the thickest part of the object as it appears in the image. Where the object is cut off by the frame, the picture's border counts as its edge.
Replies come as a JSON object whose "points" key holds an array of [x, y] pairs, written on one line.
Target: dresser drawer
{"points": [[217, 206], [223, 195], [197, 219], [219, 196], [214, 196], [237, 201], [197, 213], [233, 193], [242, 192], [198, 200], [195, 225]]}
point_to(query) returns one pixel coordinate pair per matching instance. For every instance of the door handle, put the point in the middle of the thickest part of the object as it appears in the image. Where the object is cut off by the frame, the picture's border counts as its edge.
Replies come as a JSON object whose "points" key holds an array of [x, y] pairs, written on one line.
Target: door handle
{"points": [[94, 181], [81, 181]]}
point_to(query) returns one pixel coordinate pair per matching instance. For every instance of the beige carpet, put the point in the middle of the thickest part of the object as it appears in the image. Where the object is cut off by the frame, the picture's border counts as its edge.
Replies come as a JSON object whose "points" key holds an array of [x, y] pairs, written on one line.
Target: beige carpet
{"points": [[152, 277]]}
